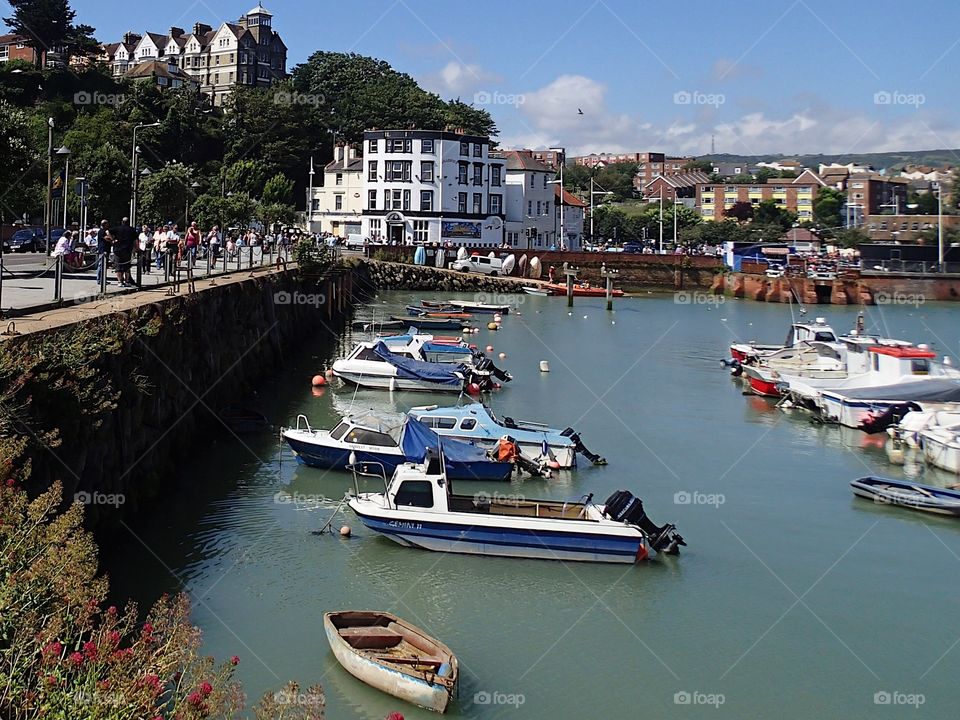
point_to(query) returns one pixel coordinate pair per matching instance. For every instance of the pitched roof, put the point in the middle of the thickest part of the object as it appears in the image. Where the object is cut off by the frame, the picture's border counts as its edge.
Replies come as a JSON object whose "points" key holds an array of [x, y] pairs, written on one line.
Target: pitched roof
{"points": [[522, 161], [353, 165], [160, 40], [156, 68], [810, 176], [682, 180], [568, 198], [7, 39]]}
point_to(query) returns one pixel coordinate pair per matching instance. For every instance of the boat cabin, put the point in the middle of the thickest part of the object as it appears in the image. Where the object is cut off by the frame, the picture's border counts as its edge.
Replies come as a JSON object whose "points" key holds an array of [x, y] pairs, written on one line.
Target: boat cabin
{"points": [[897, 362], [817, 331], [423, 488], [368, 430]]}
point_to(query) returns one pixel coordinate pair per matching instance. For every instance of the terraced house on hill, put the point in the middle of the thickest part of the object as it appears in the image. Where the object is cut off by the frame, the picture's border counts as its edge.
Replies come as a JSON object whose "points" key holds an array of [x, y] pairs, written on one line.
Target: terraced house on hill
{"points": [[247, 52], [714, 199]]}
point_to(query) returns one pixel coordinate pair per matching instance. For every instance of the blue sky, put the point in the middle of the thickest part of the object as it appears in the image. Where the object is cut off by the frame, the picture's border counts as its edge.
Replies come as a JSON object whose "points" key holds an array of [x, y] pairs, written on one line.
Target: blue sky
{"points": [[806, 76]]}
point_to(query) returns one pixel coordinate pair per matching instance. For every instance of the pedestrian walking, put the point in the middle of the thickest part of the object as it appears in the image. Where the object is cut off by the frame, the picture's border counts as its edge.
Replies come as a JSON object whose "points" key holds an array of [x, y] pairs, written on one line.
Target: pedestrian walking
{"points": [[104, 243], [124, 243], [144, 249]]}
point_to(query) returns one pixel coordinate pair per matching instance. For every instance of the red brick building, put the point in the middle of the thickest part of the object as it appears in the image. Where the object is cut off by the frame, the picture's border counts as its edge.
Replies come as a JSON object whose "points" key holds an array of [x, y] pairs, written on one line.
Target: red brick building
{"points": [[796, 195], [14, 47], [872, 193], [681, 185]]}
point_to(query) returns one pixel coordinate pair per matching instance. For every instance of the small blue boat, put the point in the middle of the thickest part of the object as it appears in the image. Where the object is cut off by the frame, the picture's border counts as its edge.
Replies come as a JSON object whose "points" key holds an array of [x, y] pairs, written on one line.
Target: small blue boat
{"points": [[915, 496], [477, 423], [379, 439]]}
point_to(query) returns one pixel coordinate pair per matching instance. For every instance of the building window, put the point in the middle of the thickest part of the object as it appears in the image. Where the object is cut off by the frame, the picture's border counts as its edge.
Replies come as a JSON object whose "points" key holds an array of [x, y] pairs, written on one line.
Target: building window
{"points": [[338, 202], [462, 175], [465, 149], [546, 207], [477, 174], [538, 207], [375, 227], [397, 200], [406, 199], [421, 230], [339, 179], [426, 201], [529, 208], [477, 203], [426, 172], [372, 146], [371, 199], [544, 181], [372, 171], [399, 171], [477, 150], [533, 180], [495, 175], [426, 146], [399, 146], [496, 204], [462, 203]]}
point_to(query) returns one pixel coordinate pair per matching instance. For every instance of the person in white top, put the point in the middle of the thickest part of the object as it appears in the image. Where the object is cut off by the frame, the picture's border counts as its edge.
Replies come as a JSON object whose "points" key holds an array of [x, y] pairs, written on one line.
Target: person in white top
{"points": [[64, 245], [144, 246]]}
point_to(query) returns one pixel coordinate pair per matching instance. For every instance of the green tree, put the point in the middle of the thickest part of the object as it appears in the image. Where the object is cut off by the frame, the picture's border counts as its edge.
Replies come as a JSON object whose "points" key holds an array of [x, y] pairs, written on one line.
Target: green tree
{"points": [[164, 195], [247, 176], [851, 237], [278, 190], [19, 162], [714, 233], [827, 206], [764, 174], [770, 213], [48, 25], [926, 204], [617, 179]]}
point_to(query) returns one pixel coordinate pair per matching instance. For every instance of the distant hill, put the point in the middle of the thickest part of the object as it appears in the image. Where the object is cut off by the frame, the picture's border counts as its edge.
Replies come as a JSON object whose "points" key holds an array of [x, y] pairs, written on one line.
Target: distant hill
{"points": [[888, 160]]}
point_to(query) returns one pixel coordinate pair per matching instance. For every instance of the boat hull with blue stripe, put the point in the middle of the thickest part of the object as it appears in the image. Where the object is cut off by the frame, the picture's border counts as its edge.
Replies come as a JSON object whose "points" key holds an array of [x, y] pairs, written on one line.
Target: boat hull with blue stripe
{"points": [[419, 510]]}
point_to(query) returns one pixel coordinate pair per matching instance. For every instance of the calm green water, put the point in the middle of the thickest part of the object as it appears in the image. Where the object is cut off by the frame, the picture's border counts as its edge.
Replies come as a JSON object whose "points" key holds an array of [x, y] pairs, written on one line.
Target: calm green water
{"points": [[793, 599]]}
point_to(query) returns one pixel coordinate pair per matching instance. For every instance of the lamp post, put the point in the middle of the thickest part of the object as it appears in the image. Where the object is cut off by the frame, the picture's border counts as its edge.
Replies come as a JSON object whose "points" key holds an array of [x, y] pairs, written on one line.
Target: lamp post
{"points": [[940, 227], [675, 203], [64, 152], [133, 169], [310, 199], [186, 213], [592, 194], [661, 220], [48, 214], [561, 155], [82, 192]]}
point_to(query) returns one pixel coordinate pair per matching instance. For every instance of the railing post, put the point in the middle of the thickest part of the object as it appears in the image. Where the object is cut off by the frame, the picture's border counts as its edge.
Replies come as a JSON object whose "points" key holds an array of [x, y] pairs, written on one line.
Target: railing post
{"points": [[58, 278], [103, 273]]}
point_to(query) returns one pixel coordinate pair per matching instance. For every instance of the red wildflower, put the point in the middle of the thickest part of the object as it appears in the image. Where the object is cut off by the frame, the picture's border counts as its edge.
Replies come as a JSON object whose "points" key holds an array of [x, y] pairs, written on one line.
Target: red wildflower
{"points": [[90, 650], [103, 685], [112, 610], [195, 699], [76, 659], [205, 688], [235, 660], [10, 482], [50, 680], [121, 654], [114, 638], [147, 628], [52, 651]]}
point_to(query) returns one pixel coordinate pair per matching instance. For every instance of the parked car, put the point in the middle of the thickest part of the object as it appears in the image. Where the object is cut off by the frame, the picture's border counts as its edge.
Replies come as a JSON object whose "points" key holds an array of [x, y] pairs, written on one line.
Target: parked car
{"points": [[775, 271], [24, 241], [633, 247], [480, 264]]}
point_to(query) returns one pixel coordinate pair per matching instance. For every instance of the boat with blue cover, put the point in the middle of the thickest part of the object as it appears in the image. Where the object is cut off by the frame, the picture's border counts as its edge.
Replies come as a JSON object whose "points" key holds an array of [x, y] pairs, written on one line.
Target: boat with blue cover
{"points": [[387, 440], [418, 508], [476, 422]]}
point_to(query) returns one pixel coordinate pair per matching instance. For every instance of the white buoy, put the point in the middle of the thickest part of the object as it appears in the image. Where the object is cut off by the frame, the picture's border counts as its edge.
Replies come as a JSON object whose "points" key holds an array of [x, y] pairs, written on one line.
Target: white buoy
{"points": [[345, 531], [498, 317], [502, 356], [947, 360], [393, 384], [544, 366], [613, 322]]}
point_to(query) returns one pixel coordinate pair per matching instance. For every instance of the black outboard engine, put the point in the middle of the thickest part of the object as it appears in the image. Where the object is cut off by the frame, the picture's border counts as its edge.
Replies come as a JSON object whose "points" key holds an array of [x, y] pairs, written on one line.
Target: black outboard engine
{"points": [[486, 364], [624, 506], [582, 449], [892, 416]]}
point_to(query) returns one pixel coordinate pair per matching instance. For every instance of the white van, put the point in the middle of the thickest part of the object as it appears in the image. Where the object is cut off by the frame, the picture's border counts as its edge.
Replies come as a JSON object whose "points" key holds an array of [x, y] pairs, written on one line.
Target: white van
{"points": [[480, 264], [355, 242]]}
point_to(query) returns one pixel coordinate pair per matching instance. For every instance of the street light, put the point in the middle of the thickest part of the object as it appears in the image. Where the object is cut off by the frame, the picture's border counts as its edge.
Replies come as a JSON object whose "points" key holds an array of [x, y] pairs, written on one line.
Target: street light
{"points": [[64, 152], [48, 214], [939, 190], [134, 151], [592, 194]]}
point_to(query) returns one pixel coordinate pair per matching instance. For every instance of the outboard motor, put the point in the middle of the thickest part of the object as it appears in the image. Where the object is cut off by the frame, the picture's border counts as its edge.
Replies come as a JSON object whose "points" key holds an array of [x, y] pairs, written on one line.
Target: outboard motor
{"points": [[582, 449], [624, 506], [892, 416], [486, 364]]}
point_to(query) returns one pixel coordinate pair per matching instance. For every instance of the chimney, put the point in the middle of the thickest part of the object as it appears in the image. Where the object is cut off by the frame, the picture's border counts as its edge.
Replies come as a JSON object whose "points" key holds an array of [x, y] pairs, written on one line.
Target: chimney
{"points": [[176, 32], [201, 28], [352, 152], [131, 38], [340, 153]]}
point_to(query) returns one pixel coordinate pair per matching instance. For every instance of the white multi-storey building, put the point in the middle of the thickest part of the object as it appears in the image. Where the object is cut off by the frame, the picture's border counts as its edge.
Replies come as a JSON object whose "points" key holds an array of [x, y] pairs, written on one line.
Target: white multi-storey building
{"points": [[531, 193], [429, 186], [337, 203]]}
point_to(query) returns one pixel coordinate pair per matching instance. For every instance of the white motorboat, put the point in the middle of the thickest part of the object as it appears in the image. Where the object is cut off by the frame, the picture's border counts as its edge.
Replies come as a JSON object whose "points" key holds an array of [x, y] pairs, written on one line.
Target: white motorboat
{"points": [[941, 443], [373, 365], [817, 331], [419, 509]]}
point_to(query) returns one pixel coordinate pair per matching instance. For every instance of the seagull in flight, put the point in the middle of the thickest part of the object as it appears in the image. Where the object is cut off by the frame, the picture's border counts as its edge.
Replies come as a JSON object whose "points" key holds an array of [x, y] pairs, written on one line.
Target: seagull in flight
{"points": [[579, 111]]}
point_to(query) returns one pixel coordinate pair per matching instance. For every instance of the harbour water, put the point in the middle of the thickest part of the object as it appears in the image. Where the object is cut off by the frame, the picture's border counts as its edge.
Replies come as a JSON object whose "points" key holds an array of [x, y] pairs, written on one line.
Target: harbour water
{"points": [[792, 599]]}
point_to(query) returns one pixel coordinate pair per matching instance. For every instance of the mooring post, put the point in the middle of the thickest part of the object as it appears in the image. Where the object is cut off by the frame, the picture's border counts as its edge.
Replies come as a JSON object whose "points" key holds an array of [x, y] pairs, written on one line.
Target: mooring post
{"points": [[571, 273], [609, 275]]}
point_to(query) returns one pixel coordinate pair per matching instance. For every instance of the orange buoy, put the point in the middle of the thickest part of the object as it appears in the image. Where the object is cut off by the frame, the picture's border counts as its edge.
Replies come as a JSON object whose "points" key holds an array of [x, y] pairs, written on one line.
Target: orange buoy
{"points": [[473, 389], [319, 381], [345, 531], [489, 348], [328, 374], [553, 465], [317, 391]]}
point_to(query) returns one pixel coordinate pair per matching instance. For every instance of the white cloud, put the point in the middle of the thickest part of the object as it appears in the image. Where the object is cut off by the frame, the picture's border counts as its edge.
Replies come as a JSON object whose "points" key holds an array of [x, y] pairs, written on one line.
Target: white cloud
{"points": [[551, 116], [457, 79]]}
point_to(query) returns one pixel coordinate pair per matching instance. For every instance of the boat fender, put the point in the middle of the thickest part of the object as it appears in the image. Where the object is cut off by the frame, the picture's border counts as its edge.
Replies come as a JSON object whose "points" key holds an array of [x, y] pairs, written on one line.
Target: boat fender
{"points": [[443, 670], [642, 552], [393, 384]]}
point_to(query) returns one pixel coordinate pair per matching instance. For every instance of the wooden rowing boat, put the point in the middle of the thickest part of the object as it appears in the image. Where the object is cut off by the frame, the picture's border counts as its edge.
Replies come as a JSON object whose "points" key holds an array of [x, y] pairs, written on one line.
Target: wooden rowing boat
{"points": [[927, 498], [394, 656]]}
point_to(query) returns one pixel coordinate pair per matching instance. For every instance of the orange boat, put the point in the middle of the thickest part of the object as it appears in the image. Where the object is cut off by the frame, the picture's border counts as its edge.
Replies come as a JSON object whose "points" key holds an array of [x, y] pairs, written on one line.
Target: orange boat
{"points": [[580, 290]]}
